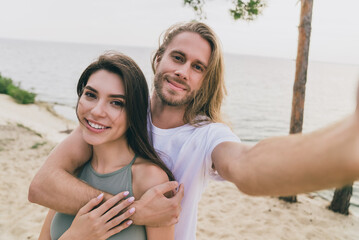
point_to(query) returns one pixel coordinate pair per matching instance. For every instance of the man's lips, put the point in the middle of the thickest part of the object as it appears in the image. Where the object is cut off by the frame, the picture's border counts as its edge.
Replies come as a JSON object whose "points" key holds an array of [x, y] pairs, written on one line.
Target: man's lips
{"points": [[177, 84]]}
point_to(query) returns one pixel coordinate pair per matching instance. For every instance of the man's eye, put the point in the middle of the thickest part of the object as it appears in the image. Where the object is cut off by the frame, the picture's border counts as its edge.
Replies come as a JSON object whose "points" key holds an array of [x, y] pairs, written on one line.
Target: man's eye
{"points": [[198, 68], [177, 58]]}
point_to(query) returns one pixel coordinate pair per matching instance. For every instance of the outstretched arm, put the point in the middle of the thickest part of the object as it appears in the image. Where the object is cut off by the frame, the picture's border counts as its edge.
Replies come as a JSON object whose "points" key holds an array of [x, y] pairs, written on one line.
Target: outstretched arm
{"points": [[55, 185], [283, 166]]}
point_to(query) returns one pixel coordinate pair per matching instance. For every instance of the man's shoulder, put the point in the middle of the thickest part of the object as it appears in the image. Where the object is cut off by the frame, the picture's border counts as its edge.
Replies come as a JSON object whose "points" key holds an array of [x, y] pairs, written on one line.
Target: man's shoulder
{"points": [[212, 126]]}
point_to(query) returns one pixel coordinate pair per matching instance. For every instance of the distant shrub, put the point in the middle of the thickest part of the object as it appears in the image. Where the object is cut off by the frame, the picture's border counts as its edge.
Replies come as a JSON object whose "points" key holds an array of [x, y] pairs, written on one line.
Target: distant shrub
{"points": [[4, 83], [20, 95]]}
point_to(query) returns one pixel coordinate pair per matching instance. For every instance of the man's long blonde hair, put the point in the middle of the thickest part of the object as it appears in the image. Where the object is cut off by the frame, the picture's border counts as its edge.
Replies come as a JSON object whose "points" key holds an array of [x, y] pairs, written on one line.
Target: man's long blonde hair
{"points": [[206, 105]]}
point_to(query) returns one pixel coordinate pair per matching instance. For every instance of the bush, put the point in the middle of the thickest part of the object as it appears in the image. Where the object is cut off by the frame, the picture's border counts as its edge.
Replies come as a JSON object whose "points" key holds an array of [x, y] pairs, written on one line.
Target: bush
{"points": [[4, 83], [20, 95]]}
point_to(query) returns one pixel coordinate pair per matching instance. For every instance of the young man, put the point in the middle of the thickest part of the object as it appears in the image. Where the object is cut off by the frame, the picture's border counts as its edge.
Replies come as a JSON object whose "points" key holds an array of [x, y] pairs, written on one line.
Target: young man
{"points": [[186, 131]]}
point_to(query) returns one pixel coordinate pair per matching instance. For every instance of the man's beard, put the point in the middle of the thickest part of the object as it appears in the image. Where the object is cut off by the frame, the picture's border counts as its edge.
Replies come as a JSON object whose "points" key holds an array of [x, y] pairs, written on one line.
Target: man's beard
{"points": [[168, 100]]}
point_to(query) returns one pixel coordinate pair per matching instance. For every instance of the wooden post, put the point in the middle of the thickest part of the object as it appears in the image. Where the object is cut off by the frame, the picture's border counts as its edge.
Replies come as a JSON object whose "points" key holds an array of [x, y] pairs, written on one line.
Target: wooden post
{"points": [[305, 27], [341, 200]]}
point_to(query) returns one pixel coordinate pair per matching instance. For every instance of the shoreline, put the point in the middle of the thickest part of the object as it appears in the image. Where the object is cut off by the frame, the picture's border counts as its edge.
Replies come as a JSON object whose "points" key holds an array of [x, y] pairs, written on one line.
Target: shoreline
{"points": [[29, 132], [40, 117]]}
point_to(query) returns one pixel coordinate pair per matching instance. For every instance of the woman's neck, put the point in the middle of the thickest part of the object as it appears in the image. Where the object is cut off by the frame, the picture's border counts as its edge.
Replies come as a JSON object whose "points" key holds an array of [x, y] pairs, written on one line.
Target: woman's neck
{"points": [[111, 156]]}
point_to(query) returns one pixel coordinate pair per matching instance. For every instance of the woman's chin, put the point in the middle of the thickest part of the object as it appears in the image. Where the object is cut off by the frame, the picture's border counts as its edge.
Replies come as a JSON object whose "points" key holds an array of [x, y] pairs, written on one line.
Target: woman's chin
{"points": [[92, 140]]}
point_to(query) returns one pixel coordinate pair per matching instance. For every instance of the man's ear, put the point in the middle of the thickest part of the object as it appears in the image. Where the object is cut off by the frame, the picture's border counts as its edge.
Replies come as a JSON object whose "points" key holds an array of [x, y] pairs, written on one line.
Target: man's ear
{"points": [[158, 60]]}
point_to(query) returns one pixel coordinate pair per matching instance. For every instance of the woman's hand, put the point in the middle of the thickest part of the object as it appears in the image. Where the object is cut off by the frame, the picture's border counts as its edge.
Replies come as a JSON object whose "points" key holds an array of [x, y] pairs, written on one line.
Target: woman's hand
{"points": [[102, 222]]}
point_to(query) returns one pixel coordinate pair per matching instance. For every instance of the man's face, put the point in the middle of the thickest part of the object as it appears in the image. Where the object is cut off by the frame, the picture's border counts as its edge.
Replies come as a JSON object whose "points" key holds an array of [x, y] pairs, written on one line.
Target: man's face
{"points": [[180, 71]]}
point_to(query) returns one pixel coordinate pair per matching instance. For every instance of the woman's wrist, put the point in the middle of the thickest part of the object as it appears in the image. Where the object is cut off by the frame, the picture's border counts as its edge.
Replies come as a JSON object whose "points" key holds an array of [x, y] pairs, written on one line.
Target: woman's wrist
{"points": [[68, 235]]}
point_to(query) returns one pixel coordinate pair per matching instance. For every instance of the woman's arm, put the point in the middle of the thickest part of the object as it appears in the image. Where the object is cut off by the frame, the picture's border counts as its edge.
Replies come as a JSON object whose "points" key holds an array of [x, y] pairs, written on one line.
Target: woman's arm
{"points": [[45, 230], [145, 177], [161, 233]]}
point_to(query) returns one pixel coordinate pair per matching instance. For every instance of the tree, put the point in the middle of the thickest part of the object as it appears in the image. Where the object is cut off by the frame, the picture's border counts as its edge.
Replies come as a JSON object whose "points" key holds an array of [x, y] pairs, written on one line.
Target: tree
{"points": [[245, 10], [305, 27]]}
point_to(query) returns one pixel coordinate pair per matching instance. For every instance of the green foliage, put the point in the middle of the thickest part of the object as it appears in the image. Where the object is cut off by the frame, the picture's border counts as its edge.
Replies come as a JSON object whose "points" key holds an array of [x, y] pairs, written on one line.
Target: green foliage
{"points": [[21, 96], [37, 145], [197, 7], [29, 129], [245, 10], [4, 83]]}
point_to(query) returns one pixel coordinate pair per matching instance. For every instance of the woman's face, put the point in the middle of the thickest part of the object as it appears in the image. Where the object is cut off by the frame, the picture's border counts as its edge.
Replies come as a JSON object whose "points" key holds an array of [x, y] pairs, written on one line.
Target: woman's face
{"points": [[101, 109]]}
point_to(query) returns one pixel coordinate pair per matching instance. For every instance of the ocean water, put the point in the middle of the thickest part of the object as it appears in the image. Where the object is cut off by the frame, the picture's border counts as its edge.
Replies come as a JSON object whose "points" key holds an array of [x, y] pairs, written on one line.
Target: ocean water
{"points": [[259, 98]]}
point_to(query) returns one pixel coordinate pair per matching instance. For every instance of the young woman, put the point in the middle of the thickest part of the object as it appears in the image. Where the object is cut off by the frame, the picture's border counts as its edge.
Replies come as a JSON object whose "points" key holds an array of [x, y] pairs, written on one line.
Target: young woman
{"points": [[112, 111]]}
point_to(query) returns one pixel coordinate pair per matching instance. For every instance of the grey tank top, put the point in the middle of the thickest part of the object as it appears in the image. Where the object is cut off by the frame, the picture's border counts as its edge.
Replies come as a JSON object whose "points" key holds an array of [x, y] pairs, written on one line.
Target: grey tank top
{"points": [[114, 182]]}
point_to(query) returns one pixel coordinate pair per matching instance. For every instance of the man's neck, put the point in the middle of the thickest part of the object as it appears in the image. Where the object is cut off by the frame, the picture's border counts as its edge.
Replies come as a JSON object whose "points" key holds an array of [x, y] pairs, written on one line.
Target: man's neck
{"points": [[164, 116]]}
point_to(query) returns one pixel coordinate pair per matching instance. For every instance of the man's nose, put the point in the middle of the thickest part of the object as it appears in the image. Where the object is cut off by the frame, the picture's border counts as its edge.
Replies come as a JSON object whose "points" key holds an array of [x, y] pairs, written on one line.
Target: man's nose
{"points": [[183, 71]]}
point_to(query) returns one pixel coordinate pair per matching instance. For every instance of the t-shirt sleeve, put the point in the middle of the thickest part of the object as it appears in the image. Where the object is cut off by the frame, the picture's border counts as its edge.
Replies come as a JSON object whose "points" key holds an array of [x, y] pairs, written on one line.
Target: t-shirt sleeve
{"points": [[217, 134]]}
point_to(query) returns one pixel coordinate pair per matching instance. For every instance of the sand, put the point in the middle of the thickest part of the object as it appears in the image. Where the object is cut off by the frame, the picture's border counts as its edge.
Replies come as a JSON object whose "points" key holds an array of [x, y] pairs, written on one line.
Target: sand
{"points": [[29, 132]]}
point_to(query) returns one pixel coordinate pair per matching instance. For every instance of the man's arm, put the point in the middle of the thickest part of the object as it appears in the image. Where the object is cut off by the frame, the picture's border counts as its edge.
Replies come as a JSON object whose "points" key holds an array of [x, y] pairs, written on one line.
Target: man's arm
{"points": [[55, 186], [283, 166]]}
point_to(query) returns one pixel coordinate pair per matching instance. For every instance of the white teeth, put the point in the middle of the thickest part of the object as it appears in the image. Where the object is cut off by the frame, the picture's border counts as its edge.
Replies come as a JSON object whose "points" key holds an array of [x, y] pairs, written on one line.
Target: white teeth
{"points": [[94, 125]]}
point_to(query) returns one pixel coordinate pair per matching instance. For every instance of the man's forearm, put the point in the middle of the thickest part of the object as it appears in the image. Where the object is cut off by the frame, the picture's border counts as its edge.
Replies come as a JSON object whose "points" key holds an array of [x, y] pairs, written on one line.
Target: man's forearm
{"points": [[301, 163], [60, 191], [55, 185]]}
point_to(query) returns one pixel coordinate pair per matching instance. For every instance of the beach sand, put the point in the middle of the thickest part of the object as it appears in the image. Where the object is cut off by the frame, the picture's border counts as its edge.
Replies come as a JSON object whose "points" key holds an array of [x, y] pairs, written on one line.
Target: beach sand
{"points": [[29, 132]]}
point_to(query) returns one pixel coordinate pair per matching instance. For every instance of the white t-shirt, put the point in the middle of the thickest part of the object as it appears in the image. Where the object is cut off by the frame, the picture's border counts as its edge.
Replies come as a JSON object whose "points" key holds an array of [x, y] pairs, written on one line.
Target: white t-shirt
{"points": [[187, 150]]}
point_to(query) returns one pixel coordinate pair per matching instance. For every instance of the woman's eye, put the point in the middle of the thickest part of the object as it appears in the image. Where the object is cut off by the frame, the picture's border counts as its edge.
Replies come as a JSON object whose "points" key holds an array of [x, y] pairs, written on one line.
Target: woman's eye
{"points": [[118, 103], [90, 95]]}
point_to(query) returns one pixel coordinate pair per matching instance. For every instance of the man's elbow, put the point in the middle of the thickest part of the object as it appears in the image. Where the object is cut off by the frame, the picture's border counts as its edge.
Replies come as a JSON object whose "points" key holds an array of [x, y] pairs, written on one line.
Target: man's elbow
{"points": [[34, 190], [248, 190], [248, 185]]}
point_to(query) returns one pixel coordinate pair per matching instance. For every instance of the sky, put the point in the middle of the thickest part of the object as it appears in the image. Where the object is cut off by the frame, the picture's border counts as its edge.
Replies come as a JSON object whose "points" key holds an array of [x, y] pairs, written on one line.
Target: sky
{"points": [[334, 38]]}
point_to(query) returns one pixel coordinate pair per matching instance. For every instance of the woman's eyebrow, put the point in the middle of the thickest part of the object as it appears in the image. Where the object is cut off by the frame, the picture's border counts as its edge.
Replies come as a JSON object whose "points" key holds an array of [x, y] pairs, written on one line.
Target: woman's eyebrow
{"points": [[111, 95]]}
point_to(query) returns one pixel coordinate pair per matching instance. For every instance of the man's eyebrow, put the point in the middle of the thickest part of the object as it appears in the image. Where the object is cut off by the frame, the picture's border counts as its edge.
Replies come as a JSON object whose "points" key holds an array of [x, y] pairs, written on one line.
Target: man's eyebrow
{"points": [[201, 63], [111, 95], [179, 52]]}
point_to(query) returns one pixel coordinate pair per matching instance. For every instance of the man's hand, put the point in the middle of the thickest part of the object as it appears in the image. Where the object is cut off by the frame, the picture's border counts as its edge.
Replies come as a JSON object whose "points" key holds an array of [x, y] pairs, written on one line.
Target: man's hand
{"points": [[155, 210]]}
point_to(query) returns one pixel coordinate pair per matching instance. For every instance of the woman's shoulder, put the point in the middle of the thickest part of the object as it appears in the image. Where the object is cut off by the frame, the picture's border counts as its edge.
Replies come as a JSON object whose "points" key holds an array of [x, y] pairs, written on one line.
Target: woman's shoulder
{"points": [[146, 175]]}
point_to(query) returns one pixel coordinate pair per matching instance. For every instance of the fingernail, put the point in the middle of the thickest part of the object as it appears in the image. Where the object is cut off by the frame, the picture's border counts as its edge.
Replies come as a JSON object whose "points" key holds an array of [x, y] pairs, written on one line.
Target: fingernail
{"points": [[129, 222], [131, 199], [99, 196], [132, 210], [126, 193]]}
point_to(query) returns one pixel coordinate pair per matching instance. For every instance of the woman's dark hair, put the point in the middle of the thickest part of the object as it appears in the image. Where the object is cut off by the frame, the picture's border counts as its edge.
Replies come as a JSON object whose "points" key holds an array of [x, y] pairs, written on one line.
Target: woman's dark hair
{"points": [[136, 102]]}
